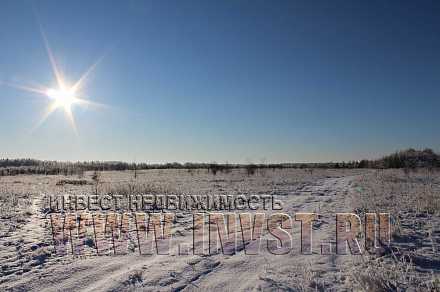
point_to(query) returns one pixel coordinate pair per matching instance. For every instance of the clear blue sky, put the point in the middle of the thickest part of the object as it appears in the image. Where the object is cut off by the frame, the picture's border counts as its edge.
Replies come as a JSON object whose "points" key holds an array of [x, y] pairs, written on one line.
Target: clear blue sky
{"points": [[236, 81]]}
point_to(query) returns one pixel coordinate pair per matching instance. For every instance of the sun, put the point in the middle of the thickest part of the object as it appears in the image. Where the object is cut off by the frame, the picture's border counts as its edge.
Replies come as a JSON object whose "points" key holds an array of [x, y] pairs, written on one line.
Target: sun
{"points": [[63, 98]]}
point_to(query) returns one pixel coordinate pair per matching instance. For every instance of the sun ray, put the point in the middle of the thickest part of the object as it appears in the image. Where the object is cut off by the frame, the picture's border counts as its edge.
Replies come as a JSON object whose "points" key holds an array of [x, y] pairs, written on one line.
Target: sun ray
{"points": [[55, 69], [92, 103], [71, 119], [27, 88], [78, 84], [50, 109]]}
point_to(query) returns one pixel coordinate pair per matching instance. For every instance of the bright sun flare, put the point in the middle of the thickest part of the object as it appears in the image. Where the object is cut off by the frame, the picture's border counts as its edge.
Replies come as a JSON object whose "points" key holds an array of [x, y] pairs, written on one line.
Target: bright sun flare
{"points": [[62, 98]]}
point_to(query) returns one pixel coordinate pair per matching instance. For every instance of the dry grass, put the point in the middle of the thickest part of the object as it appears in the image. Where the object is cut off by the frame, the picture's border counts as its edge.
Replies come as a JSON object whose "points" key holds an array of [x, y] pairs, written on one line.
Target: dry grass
{"points": [[79, 182], [413, 200], [15, 210]]}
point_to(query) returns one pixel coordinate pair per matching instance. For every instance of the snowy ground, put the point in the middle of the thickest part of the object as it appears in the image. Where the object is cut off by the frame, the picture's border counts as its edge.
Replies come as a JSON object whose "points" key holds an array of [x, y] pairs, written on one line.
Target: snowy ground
{"points": [[28, 262]]}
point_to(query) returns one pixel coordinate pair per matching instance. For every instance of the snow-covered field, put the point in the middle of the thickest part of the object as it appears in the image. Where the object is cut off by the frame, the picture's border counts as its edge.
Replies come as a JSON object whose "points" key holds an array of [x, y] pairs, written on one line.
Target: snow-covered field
{"points": [[28, 261]]}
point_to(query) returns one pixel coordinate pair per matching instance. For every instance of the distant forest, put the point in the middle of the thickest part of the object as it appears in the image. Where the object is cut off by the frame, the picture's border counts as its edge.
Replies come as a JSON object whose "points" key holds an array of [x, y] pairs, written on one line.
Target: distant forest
{"points": [[408, 159]]}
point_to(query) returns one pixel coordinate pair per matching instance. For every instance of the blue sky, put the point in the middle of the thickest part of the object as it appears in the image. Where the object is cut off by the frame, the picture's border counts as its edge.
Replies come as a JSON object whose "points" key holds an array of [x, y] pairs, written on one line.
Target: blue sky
{"points": [[236, 81]]}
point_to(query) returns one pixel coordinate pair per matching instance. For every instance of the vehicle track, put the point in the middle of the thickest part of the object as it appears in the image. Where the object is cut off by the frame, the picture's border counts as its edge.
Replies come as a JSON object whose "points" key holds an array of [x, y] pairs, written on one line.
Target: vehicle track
{"points": [[216, 272]]}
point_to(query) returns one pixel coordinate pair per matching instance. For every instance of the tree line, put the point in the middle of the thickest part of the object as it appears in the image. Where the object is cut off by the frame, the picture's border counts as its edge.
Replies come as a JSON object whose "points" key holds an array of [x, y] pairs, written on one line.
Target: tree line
{"points": [[402, 159]]}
